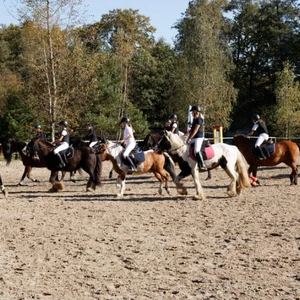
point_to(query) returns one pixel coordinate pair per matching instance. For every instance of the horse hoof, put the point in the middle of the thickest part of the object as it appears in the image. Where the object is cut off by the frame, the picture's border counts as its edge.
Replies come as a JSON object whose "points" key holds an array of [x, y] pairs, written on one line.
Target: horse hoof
{"points": [[53, 190], [90, 189], [231, 194], [120, 196], [196, 197]]}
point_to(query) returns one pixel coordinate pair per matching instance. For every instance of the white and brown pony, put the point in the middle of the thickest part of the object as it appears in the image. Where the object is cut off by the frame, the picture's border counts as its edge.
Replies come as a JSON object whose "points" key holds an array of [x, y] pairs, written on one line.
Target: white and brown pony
{"points": [[227, 156], [154, 162]]}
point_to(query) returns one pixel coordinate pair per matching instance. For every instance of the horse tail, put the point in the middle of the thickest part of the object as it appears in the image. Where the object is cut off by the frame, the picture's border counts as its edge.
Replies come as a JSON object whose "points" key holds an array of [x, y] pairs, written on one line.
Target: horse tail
{"points": [[169, 165], [98, 170], [241, 166]]}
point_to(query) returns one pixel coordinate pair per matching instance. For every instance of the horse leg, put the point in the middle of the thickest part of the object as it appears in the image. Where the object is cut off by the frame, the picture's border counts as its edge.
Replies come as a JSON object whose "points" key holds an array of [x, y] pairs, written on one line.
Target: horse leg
{"points": [[56, 185], [90, 186], [199, 190], [231, 190], [161, 181], [294, 174], [2, 187], [121, 186], [181, 190]]}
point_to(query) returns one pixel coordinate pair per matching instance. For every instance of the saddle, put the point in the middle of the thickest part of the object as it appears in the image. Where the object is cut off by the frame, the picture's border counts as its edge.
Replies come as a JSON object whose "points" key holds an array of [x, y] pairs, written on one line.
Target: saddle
{"points": [[67, 154], [268, 148], [207, 150], [137, 156]]}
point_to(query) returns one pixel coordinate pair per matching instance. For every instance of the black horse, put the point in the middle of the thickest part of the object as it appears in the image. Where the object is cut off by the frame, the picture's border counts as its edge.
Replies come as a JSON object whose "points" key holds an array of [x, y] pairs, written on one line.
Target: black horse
{"points": [[79, 157]]}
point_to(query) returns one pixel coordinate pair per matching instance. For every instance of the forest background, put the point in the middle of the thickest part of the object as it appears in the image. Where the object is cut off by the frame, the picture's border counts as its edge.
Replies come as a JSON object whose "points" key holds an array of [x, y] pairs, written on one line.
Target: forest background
{"points": [[51, 68]]}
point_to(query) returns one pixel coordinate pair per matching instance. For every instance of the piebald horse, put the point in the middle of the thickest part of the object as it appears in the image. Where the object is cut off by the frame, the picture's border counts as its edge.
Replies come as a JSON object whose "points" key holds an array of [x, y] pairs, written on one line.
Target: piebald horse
{"points": [[227, 156], [154, 162]]}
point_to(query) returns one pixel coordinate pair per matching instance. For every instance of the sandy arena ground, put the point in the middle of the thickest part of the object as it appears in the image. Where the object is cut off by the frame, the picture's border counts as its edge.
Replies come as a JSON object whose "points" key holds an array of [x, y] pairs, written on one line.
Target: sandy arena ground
{"points": [[79, 245]]}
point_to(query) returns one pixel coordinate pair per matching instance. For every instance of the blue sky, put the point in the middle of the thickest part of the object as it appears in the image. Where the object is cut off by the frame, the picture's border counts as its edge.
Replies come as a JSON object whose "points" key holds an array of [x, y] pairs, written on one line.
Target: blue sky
{"points": [[163, 13]]}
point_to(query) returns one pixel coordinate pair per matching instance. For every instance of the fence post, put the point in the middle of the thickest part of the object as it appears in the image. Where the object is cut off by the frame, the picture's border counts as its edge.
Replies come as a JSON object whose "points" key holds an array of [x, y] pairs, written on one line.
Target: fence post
{"points": [[218, 134]]}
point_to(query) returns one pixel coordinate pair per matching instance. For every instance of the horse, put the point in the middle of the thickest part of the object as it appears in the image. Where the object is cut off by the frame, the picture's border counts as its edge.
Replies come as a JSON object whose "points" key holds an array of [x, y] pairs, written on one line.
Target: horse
{"points": [[220, 154], [150, 162], [2, 187], [151, 141], [11, 146], [282, 152], [80, 157]]}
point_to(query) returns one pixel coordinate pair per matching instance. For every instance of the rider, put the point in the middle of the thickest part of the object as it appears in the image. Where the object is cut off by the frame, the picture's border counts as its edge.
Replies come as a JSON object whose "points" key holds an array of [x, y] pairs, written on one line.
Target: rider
{"points": [[168, 124], [196, 135], [260, 129], [62, 142], [38, 132], [128, 140], [174, 124], [90, 136]]}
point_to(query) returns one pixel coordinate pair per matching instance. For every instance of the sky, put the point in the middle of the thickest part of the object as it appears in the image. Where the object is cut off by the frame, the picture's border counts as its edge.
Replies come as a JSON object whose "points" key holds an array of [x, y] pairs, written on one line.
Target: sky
{"points": [[163, 14]]}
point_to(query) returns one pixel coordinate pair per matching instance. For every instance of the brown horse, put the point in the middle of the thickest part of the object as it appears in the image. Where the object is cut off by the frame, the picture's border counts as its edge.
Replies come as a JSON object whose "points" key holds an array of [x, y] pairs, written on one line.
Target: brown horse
{"points": [[154, 162], [11, 146], [80, 157], [284, 152]]}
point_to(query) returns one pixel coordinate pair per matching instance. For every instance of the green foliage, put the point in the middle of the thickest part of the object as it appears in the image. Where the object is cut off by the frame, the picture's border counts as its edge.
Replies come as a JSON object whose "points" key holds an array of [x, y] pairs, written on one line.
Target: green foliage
{"points": [[287, 114]]}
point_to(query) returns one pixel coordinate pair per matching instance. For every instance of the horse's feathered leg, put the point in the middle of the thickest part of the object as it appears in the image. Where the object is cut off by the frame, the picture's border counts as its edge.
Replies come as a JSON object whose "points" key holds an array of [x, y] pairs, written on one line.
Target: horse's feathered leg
{"points": [[231, 190], [199, 190]]}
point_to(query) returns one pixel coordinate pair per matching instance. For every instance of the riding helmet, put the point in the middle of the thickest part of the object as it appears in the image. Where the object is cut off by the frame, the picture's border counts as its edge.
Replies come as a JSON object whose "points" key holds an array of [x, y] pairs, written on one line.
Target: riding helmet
{"points": [[196, 108], [125, 120], [64, 123], [37, 126], [255, 117], [173, 116]]}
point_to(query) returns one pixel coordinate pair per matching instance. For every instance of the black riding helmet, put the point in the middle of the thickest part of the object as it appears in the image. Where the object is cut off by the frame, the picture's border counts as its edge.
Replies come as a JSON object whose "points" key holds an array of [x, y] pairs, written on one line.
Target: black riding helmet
{"points": [[173, 116], [125, 120], [196, 108], [37, 126], [255, 117], [64, 123]]}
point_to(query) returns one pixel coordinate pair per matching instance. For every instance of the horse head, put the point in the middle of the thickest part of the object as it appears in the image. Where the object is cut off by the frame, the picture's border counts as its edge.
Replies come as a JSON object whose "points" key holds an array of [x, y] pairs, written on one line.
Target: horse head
{"points": [[38, 147]]}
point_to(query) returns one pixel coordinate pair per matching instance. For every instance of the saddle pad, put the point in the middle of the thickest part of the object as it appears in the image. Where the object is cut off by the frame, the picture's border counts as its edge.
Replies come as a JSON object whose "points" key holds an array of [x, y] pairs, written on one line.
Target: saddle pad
{"points": [[139, 157], [209, 152]]}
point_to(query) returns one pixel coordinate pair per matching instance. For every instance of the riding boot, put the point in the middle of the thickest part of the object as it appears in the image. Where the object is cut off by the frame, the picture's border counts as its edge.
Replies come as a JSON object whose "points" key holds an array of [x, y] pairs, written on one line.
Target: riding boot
{"points": [[133, 167], [61, 161], [261, 153], [201, 164]]}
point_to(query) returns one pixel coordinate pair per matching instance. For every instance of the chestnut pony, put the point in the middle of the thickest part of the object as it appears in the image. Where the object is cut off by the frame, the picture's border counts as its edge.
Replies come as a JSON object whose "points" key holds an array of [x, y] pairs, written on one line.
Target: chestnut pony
{"points": [[82, 158], [284, 152], [154, 162]]}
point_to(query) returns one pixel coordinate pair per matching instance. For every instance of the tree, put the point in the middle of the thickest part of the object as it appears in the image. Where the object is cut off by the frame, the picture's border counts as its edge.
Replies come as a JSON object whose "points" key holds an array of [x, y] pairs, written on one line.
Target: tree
{"points": [[204, 62], [124, 32], [264, 35], [288, 103], [51, 46]]}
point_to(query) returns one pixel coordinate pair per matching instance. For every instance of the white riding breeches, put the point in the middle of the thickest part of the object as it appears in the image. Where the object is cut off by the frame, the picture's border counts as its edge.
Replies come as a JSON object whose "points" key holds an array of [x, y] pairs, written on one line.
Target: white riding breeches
{"points": [[261, 138], [128, 149], [61, 147], [198, 143]]}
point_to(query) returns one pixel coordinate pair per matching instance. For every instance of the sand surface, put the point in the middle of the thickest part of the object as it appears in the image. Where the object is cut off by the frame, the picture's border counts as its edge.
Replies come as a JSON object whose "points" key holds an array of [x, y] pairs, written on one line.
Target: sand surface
{"points": [[79, 245]]}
